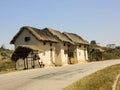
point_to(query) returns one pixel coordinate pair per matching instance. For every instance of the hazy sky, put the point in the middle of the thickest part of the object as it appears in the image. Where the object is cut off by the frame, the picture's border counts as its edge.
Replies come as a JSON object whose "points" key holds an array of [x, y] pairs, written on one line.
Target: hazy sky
{"points": [[91, 19]]}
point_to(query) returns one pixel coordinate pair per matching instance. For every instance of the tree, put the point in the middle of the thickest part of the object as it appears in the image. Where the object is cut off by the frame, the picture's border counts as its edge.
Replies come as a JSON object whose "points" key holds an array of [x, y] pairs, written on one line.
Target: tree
{"points": [[93, 42]]}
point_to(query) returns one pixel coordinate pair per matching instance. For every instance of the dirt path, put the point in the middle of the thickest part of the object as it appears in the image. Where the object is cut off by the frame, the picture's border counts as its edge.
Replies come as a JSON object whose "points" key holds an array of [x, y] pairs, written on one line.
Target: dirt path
{"points": [[52, 78]]}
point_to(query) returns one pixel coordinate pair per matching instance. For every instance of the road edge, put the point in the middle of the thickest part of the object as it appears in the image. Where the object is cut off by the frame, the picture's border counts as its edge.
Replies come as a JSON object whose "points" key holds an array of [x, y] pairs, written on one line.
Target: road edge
{"points": [[115, 85]]}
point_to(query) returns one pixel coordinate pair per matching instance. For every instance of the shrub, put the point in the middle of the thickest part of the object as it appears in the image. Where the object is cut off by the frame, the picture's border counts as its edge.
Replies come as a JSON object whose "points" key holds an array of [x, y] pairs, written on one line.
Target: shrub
{"points": [[6, 65]]}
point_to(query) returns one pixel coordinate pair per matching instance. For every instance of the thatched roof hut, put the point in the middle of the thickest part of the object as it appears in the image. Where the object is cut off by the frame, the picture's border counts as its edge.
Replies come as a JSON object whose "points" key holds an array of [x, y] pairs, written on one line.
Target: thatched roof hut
{"points": [[21, 52], [75, 38], [37, 33]]}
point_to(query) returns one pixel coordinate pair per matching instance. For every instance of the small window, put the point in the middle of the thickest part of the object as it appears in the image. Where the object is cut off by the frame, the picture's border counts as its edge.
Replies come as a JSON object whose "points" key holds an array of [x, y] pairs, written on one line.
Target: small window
{"points": [[50, 44], [65, 51], [71, 54], [80, 45], [27, 39], [68, 45], [64, 44], [51, 49], [44, 43]]}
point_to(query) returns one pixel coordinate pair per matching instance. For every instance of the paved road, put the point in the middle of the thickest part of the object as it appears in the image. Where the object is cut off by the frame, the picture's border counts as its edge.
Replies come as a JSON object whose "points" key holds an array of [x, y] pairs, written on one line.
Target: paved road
{"points": [[52, 78]]}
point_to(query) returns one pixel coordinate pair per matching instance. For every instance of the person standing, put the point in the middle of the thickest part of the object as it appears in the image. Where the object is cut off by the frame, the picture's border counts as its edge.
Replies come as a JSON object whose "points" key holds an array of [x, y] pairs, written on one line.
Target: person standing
{"points": [[40, 61]]}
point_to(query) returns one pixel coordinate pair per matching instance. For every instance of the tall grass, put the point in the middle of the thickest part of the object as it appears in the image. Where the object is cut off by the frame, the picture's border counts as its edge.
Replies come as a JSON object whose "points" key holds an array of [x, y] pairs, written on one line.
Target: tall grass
{"points": [[6, 66], [101, 80], [118, 84]]}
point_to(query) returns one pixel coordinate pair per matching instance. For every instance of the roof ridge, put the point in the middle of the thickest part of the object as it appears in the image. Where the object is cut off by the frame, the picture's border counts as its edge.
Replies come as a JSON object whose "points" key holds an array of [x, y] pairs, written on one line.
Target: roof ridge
{"points": [[76, 35], [59, 35]]}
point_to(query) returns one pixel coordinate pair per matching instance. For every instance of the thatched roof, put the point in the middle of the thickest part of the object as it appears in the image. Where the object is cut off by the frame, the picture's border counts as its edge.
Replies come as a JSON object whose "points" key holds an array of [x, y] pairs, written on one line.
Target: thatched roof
{"points": [[21, 52], [51, 35], [75, 38], [57, 34], [37, 33], [32, 47]]}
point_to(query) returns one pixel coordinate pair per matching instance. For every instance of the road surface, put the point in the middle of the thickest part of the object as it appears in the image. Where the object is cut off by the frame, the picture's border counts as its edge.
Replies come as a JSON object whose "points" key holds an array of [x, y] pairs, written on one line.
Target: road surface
{"points": [[50, 78]]}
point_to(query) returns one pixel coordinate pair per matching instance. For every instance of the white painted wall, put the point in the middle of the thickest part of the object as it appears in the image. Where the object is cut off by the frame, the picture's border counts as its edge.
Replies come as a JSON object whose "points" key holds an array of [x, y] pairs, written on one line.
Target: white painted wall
{"points": [[48, 56], [86, 54], [58, 60], [61, 57], [80, 53], [64, 56]]}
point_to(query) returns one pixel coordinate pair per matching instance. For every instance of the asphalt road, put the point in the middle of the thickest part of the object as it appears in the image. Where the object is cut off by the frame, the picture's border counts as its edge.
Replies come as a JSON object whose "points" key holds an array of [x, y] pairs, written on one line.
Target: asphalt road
{"points": [[50, 78]]}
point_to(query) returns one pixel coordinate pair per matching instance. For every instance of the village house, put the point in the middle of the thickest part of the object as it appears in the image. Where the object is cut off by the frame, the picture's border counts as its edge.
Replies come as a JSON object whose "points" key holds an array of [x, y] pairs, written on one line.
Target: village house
{"points": [[80, 46], [55, 48], [61, 48]]}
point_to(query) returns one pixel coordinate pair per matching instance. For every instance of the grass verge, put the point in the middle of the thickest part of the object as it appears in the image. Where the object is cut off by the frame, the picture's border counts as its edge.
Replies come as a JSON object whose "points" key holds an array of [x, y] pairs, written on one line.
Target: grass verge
{"points": [[6, 66], [118, 84], [101, 80]]}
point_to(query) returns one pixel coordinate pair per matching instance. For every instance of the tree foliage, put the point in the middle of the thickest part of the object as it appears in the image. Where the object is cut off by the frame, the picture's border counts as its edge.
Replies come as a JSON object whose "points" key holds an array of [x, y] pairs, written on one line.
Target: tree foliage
{"points": [[112, 53], [93, 42]]}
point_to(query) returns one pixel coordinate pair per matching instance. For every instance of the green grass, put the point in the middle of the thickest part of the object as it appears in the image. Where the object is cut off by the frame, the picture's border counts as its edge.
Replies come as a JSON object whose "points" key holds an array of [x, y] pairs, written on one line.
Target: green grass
{"points": [[101, 80]]}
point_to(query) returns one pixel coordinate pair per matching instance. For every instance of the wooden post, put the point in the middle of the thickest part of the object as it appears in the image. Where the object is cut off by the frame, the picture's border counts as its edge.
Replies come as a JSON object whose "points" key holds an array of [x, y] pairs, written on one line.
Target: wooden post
{"points": [[34, 63], [24, 63], [84, 54], [27, 62], [15, 65]]}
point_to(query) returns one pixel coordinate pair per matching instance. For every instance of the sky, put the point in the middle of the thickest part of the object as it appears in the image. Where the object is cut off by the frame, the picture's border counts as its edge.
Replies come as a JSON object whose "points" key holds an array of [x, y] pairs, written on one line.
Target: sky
{"points": [[91, 19]]}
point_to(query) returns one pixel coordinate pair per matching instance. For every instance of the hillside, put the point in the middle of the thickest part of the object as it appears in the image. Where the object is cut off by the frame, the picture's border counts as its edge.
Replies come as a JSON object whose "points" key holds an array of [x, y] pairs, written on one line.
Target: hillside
{"points": [[5, 63]]}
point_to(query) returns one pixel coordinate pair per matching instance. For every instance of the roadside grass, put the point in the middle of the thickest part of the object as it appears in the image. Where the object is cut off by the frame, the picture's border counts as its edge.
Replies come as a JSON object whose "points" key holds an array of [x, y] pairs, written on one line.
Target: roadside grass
{"points": [[100, 80], [118, 84], [6, 66]]}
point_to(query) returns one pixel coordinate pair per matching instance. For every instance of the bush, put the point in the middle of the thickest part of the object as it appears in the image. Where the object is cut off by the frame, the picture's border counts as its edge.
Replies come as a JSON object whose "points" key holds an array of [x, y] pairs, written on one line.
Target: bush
{"points": [[111, 54], [5, 62], [6, 65]]}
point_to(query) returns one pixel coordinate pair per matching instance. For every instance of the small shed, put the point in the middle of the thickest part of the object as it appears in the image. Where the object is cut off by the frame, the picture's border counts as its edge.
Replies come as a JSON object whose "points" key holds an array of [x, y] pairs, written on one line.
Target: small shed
{"points": [[96, 53], [25, 56]]}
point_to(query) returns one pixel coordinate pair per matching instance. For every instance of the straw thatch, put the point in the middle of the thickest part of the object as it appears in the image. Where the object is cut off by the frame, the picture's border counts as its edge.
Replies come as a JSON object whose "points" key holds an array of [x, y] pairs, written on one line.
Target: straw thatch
{"points": [[21, 52], [37, 33], [75, 38], [57, 34], [51, 35]]}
